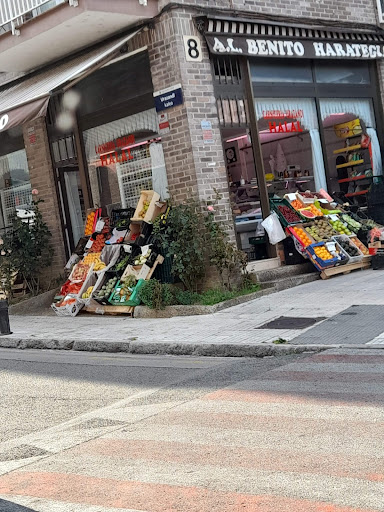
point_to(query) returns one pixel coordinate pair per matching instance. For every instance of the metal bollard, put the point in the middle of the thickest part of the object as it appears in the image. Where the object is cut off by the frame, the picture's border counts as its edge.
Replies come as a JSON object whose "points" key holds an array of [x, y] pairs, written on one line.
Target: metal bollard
{"points": [[4, 318]]}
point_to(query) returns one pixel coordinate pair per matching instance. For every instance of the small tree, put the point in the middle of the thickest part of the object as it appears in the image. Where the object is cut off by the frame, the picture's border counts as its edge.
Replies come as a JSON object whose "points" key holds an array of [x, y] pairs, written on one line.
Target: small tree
{"points": [[26, 250]]}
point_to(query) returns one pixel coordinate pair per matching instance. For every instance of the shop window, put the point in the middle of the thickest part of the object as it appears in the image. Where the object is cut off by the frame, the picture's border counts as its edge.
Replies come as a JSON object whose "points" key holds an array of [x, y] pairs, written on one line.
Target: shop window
{"points": [[291, 145], [342, 73], [380, 9], [281, 71], [352, 146], [15, 187], [125, 157]]}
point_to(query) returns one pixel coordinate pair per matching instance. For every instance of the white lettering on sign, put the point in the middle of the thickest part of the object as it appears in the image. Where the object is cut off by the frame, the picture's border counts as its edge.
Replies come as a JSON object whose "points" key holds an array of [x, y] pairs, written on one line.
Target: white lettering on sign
{"points": [[293, 48], [4, 121], [263, 47]]}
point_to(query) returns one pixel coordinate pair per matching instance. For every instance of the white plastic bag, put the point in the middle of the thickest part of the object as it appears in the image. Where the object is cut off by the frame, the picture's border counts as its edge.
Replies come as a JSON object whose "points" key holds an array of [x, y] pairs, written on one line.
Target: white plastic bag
{"points": [[273, 227]]}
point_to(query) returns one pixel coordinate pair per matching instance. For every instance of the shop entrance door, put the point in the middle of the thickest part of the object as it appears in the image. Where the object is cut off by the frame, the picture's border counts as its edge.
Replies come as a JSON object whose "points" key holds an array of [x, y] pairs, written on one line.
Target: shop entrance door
{"points": [[73, 208]]}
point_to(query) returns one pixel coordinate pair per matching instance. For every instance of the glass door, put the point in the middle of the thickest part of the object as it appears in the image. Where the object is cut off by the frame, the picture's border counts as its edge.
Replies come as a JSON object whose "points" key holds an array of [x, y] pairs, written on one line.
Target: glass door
{"points": [[72, 205]]}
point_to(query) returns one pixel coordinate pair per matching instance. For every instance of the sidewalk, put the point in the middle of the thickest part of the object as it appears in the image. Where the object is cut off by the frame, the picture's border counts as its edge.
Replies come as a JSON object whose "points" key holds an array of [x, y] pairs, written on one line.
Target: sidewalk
{"points": [[234, 331]]}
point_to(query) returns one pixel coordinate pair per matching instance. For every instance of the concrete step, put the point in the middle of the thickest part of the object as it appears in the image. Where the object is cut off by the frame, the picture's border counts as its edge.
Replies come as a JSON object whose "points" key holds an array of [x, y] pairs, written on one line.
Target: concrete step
{"points": [[292, 281], [284, 271]]}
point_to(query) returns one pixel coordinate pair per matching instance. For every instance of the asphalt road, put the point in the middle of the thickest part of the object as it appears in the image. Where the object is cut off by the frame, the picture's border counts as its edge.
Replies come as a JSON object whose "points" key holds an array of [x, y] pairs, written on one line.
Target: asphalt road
{"points": [[90, 432]]}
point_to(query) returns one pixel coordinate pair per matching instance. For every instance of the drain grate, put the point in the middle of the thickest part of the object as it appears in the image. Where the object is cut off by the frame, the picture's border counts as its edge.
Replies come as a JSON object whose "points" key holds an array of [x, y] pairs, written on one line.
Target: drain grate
{"points": [[290, 322]]}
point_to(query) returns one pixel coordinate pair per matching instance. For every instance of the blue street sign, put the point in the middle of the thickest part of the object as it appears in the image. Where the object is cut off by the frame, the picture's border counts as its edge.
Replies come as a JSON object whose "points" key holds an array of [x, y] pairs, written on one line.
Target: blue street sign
{"points": [[168, 98]]}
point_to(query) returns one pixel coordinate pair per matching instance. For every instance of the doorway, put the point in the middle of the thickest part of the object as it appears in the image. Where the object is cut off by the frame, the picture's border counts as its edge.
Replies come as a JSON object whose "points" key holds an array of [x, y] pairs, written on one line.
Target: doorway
{"points": [[72, 204]]}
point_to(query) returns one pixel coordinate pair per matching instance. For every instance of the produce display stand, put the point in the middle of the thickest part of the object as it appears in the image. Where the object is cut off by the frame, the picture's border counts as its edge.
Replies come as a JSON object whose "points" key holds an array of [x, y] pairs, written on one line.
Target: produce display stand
{"points": [[353, 230], [107, 278], [344, 269]]}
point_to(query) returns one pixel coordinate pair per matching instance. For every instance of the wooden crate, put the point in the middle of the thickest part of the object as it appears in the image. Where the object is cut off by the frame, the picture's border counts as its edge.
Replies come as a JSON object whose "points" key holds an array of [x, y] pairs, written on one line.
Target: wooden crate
{"points": [[154, 209]]}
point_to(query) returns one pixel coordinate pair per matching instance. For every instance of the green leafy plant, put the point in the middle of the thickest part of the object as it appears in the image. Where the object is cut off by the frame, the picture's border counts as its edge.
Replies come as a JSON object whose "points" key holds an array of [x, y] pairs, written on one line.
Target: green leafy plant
{"points": [[182, 237], [156, 295], [26, 250]]}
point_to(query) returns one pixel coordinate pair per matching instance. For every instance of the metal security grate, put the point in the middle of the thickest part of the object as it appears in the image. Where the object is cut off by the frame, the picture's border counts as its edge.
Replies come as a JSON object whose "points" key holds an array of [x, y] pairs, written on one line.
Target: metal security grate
{"points": [[19, 196], [134, 176]]}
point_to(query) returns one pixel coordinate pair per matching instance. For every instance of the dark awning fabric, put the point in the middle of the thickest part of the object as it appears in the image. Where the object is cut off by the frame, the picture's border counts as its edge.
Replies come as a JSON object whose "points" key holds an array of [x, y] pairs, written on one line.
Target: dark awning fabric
{"points": [[278, 39], [28, 99]]}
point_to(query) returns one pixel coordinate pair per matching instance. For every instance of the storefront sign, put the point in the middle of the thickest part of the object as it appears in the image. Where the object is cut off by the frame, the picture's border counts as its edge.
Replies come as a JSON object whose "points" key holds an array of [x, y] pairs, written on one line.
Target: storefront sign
{"points": [[206, 127], [285, 127], [168, 98], [4, 121], [115, 151], [283, 114], [163, 124], [261, 47]]}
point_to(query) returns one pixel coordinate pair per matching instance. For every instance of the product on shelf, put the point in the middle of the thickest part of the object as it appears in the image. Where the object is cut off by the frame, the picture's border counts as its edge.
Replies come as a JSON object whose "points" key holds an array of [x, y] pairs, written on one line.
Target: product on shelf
{"points": [[323, 253], [289, 215], [141, 259], [79, 272], [352, 223], [315, 211], [308, 214], [340, 227], [297, 204], [122, 262], [321, 230], [360, 246], [348, 247], [94, 257], [303, 236], [89, 224], [88, 293], [106, 290], [98, 243]]}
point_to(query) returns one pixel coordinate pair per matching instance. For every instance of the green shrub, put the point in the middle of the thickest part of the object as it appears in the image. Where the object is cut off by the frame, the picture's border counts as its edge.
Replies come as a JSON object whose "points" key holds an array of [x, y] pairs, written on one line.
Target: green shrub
{"points": [[186, 298]]}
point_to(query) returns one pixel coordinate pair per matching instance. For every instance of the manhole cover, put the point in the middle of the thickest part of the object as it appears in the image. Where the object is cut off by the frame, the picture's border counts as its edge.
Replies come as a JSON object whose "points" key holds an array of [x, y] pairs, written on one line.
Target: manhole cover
{"points": [[291, 322]]}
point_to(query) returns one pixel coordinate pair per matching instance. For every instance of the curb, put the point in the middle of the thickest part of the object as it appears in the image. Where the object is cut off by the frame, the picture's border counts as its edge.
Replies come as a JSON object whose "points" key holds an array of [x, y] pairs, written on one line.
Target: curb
{"points": [[160, 348]]}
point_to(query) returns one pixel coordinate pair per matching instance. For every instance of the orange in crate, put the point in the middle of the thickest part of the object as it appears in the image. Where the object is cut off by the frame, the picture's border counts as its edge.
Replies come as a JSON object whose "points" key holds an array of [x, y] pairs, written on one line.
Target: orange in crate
{"points": [[323, 253], [303, 236], [297, 205], [315, 211], [89, 224]]}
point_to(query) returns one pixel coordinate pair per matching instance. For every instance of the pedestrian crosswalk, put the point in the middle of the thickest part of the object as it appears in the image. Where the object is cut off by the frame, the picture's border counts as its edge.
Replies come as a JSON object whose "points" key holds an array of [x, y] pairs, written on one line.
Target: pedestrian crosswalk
{"points": [[305, 437]]}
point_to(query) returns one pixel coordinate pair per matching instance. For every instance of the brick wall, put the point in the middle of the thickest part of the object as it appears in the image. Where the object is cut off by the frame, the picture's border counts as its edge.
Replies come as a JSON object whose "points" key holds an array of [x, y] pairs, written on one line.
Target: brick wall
{"points": [[193, 168], [353, 11], [42, 179]]}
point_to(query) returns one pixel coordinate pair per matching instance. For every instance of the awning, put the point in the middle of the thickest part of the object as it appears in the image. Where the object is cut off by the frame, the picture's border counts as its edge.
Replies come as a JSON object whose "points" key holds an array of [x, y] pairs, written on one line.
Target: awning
{"points": [[28, 99], [262, 38]]}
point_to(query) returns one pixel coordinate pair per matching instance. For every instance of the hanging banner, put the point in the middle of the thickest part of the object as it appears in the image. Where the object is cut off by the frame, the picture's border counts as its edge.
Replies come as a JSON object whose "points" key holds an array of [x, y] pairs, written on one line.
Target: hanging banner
{"points": [[260, 46]]}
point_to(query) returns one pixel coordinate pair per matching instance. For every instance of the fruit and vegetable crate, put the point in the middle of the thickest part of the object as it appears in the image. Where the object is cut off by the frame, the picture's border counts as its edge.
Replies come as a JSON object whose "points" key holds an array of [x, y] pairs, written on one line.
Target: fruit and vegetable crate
{"points": [[121, 218], [104, 287], [288, 216], [301, 236], [68, 306], [315, 253], [147, 207], [122, 295], [355, 255]]}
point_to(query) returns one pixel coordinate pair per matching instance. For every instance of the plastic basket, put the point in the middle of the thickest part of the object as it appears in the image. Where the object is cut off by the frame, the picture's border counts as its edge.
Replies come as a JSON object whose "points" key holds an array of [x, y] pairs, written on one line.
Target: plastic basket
{"points": [[319, 263], [345, 238], [297, 236], [133, 298], [276, 202]]}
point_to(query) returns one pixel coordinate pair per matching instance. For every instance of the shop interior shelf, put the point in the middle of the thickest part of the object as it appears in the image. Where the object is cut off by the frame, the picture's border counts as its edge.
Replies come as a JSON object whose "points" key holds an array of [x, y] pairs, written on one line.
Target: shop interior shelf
{"points": [[301, 179], [360, 193], [347, 149], [355, 178], [352, 163]]}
